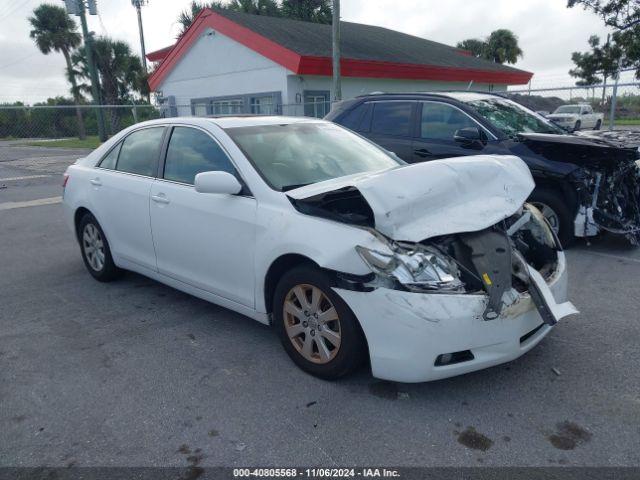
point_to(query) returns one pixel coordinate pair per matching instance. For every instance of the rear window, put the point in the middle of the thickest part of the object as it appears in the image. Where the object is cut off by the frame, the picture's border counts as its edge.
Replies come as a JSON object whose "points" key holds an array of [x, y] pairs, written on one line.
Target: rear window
{"points": [[139, 152], [392, 118]]}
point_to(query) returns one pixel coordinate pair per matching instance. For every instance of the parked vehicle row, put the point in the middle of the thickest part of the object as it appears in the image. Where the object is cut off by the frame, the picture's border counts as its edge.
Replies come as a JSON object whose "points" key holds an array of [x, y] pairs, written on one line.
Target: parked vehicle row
{"points": [[425, 270], [584, 184]]}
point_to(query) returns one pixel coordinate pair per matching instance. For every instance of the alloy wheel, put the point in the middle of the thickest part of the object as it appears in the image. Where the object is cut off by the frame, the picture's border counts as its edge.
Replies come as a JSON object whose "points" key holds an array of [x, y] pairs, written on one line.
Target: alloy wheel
{"points": [[93, 247], [312, 323], [550, 214]]}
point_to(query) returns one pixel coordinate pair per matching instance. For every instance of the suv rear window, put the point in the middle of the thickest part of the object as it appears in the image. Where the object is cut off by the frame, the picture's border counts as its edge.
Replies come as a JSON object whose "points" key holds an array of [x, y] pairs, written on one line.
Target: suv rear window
{"points": [[392, 118]]}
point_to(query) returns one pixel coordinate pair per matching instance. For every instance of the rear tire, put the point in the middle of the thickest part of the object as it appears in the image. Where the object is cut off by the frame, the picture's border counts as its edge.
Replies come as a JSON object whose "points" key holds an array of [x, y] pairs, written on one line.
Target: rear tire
{"points": [[96, 253], [545, 198], [598, 125], [325, 348]]}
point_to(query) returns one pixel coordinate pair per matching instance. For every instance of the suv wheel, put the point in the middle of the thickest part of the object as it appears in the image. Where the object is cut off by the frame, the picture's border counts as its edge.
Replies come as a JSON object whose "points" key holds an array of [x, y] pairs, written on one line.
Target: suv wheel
{"points": [[555, 210], [317, 329]]}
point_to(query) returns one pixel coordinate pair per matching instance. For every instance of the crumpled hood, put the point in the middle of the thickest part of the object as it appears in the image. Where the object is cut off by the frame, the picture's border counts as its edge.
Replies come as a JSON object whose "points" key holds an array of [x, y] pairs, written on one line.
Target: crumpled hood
{"points": [[440, 197]]}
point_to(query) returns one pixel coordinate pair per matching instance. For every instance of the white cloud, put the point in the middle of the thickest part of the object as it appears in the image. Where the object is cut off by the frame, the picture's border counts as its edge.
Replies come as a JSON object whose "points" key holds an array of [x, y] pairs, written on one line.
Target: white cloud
{"points": [[547, 30]]}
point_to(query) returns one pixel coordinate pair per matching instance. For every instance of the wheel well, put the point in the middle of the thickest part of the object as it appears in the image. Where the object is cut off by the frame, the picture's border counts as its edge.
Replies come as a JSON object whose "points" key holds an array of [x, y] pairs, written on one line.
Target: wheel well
{"points": [[277, 269], [564, 189], [80, 212]]}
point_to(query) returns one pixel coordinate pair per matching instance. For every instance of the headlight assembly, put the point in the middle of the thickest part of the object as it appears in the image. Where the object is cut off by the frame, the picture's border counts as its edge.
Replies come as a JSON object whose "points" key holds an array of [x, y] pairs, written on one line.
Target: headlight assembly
{"points": [[416, 267]]}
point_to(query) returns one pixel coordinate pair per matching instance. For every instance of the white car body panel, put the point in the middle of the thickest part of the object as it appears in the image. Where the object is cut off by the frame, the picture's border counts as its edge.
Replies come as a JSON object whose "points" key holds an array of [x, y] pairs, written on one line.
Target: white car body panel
{"points": [[493, 187], [121, 202], [205, 240], [220, 247]]}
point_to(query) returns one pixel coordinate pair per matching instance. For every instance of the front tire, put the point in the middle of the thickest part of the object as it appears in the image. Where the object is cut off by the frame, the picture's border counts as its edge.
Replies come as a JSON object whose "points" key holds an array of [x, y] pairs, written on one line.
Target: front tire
{"points": [[577, 126], [316, 327], [555, 209], [96, 253]]}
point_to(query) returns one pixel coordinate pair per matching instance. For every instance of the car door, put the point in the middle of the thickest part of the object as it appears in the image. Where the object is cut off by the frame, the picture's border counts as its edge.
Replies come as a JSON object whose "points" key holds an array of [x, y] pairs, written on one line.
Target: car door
{"points": [[438, 123], [205, 240], [119, 194], [390, 124]]}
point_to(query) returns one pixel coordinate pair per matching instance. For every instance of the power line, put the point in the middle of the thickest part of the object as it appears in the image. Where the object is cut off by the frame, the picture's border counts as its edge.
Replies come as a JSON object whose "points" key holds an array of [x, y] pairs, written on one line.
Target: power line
{"points": [[14, 10]]}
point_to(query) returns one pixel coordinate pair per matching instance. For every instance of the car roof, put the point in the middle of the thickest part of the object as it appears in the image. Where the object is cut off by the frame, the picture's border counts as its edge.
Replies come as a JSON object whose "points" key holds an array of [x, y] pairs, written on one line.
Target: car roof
{"points": [[233, 121], [462, 96]]}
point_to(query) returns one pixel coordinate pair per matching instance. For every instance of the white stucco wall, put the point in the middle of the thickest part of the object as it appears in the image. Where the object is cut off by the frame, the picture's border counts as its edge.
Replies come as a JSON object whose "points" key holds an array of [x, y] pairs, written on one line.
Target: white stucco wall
{"points": [[217, 66]]}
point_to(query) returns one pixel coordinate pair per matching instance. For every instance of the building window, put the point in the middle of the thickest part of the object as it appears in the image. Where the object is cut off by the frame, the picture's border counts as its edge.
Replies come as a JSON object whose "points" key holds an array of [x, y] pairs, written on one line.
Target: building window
{"points": [[230, 106], [316, 104], [262, 105], [200, 109]]}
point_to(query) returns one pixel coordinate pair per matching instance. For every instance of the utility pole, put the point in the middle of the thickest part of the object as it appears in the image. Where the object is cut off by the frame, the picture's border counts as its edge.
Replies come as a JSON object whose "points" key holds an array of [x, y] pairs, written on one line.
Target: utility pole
{"points": [[77, 7], [337, 84], [138, 4], [614, 96]]}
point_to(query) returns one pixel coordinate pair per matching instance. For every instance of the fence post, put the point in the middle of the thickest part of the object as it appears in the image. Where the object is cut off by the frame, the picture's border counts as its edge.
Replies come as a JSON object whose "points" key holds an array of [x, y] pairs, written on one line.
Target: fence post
{"points": [[134, 111]]}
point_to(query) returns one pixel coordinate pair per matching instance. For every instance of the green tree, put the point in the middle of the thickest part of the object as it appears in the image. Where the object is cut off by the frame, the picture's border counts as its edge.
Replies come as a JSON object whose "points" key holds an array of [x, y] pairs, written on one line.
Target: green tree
{"points": [[121, 74], [473, 45], [255, 7], [317, 11], [619, 14], [500, 47], [54, 30]]}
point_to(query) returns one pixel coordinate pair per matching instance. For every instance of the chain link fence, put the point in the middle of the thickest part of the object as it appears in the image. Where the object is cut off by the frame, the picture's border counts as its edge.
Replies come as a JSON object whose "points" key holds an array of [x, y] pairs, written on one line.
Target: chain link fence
{"points": [[69, 126]]}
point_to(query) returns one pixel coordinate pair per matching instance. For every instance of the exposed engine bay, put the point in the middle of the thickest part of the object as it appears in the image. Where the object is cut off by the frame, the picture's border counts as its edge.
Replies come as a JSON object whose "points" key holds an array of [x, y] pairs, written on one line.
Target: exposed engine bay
{"points": [[497, 261], [606, 178], [609, 199]]}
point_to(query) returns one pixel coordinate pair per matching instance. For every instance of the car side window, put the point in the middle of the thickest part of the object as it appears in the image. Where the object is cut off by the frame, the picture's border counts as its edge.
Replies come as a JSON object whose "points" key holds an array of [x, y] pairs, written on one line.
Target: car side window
{"points": [[353, 119], [192, 151], [440, 121], [392, 118], [139, 152], [109, 161]]}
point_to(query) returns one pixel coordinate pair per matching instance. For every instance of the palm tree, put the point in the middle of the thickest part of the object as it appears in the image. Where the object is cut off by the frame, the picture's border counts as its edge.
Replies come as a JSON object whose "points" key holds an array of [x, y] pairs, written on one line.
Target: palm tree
{"points": [[500, 47], [120, 71], [54, 30]]}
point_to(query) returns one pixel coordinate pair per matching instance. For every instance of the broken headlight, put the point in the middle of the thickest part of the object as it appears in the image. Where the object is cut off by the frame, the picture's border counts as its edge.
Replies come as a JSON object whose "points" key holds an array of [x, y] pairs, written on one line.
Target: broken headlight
{"points": [[416, 267]]}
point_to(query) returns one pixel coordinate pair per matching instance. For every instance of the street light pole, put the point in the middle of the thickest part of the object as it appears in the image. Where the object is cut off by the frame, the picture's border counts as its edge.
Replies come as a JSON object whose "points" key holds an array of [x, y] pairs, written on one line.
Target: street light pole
{"points": [[337, 85], [88, 50]]}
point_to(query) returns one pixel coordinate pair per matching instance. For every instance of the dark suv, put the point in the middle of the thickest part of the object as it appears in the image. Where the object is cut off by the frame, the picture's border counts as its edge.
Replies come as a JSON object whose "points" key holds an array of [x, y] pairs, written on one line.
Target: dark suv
{"points": [[583, 184]]}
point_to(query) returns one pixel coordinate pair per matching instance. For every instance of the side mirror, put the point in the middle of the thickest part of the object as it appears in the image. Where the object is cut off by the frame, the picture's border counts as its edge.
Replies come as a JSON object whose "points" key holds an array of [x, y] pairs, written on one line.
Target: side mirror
{"points": [[217, 182], [470, 137]]}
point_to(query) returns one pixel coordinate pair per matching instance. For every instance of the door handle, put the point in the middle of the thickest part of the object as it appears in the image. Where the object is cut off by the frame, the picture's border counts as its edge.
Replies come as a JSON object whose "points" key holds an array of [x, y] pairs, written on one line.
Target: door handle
{"points": [[160, 198], [422, 152], [96, 182]]}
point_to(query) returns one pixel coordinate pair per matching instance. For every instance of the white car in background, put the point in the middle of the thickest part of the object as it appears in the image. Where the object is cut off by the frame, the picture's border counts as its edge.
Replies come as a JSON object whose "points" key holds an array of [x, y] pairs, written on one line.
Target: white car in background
{"points": [[576, 117], [428, 270]]}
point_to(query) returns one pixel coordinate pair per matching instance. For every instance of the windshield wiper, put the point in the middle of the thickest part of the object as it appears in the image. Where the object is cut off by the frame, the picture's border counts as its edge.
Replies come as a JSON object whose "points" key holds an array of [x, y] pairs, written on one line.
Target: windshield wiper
{"points": [[286, 188]]}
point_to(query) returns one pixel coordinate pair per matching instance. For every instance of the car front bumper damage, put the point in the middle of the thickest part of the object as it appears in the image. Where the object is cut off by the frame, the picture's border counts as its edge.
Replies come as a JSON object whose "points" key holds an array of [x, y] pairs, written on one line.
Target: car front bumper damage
{"points": [[409, 333]]}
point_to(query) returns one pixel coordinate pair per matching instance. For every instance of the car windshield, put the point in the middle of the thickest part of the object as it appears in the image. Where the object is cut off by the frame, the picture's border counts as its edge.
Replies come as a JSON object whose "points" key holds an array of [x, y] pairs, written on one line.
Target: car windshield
{"points": [[297, 154], [567, 109], [512, 118]]}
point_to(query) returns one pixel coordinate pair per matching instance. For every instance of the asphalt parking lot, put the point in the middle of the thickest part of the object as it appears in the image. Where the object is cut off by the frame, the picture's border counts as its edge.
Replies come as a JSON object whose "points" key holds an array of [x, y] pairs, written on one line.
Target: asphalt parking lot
{"points": [[134, 373]]}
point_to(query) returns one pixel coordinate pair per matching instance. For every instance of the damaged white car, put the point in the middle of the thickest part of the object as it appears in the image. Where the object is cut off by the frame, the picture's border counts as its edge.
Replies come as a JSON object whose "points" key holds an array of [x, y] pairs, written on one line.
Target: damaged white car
{"points": [[430, 270]]}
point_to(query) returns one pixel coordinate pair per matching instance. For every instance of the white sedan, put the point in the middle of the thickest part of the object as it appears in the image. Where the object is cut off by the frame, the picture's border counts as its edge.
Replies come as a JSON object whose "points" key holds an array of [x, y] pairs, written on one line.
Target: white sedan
{"points": [[427, 270]]}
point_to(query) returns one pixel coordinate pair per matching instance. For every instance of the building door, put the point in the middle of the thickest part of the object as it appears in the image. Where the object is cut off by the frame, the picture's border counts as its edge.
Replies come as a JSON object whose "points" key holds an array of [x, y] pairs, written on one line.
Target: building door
{"points": [[316, 103]]}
